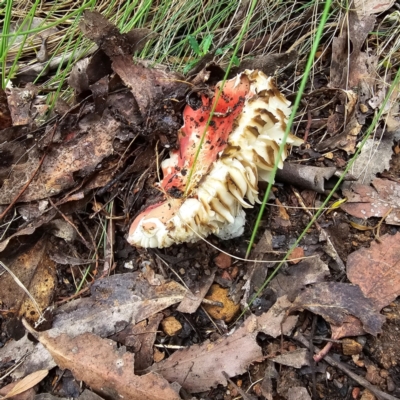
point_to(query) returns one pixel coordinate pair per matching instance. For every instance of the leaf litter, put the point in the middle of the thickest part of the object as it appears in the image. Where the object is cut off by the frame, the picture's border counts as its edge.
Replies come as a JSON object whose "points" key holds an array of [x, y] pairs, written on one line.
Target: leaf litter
{"points": [[135, 103]]}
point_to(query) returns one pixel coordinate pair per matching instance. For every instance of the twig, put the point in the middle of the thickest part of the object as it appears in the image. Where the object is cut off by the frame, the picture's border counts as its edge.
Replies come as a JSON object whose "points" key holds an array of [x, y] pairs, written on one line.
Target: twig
{"points": [[308, 126], [360, 380]]}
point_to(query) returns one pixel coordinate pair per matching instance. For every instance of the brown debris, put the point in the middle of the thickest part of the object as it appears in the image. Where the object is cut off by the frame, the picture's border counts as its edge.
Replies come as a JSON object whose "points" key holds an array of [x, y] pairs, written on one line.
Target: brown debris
{"points": [[200, 367]]}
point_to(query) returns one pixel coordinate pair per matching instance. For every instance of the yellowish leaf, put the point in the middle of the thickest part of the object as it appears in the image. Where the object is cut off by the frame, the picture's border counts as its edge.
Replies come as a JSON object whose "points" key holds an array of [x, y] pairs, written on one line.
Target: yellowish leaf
{"points": [[27, 383]]}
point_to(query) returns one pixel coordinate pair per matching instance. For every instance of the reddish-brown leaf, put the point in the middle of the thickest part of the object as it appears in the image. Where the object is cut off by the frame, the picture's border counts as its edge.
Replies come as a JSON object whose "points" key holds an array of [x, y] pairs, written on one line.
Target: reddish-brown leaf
{"points": [[105, 368], [377, 270]]}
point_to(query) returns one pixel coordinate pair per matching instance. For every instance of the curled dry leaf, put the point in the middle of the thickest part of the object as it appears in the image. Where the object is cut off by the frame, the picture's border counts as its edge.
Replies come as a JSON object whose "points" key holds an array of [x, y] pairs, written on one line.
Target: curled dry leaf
{"points": [[365, 201], [296, 359], [114, 376], [116, 302], [200, 367], [335, 300], [377, 270], [276, 321], [305, 176], [20, 104]]}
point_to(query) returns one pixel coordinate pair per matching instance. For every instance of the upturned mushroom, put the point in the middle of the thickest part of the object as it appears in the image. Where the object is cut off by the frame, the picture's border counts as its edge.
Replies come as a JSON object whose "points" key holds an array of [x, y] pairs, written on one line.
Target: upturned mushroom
{"points": [[240, 147]]}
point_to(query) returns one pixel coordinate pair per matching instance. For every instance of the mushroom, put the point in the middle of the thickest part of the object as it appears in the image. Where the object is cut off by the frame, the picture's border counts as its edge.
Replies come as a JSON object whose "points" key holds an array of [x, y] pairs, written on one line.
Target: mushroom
{"points": [[240, 147]]}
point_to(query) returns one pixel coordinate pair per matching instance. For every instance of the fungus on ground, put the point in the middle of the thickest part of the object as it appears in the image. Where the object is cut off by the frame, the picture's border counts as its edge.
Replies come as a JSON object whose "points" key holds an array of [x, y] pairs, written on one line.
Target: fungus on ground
{"points": [[240, 147]]}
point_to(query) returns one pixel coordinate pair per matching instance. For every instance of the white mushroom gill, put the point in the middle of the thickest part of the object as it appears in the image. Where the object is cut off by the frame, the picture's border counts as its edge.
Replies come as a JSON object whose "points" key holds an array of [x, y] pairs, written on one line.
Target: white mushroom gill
{"points": [[216, 204]]}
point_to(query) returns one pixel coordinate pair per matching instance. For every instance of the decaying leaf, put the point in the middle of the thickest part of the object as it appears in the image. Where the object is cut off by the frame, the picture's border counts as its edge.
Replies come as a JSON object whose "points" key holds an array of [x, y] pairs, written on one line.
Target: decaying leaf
{"points": [[151, 87], [365, 202], [192, 301], [88, 71], [374, 157], [276, 321], [20, 104], [140, 338], [305, 176], [269, 64], [116, 302], [106, 35], [296, 277], [296, 359], [335, 300], [37, 272], [77, 154], [377, 270], [200, 367], [350, 66], [105, 368]]}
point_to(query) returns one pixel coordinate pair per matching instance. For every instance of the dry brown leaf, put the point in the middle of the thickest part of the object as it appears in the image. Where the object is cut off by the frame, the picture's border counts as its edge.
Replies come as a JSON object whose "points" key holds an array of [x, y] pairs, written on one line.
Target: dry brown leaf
{"points": [[276, 321], [295, 277], [192, 301], [350, 66], [199, 367], [364, 201], [106, 35], [377, 270], [27, 383], [105, 368], [37, 272], [335, 300], [116, 302], [149, 86], [80, 153], [296, 359], [20, 104], [140, 338]]}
